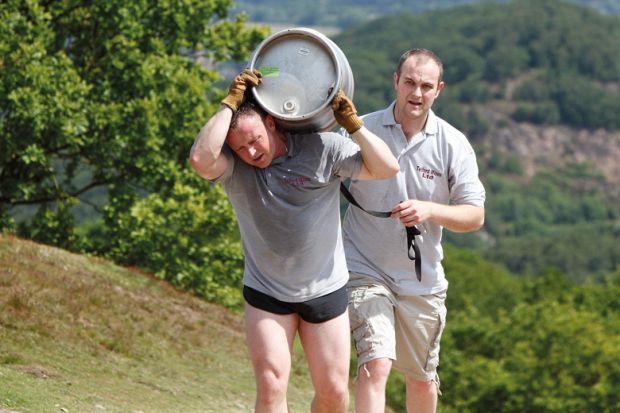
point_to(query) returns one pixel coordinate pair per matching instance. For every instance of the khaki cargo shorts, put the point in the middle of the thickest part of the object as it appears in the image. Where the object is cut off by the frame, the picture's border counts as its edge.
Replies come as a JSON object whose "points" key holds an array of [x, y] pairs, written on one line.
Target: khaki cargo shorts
{"points": [[406, 329]]}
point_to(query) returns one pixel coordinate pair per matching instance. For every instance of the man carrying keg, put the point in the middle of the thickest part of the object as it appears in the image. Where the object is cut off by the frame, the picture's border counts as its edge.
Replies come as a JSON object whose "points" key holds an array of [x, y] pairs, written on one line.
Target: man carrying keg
{"points": [[284, 188], [397, 288]]}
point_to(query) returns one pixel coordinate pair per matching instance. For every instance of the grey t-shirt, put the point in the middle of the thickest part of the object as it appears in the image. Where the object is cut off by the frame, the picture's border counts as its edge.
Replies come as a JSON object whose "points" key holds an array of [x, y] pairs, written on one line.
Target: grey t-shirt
{"points": [[437, 165], [289, 216]]}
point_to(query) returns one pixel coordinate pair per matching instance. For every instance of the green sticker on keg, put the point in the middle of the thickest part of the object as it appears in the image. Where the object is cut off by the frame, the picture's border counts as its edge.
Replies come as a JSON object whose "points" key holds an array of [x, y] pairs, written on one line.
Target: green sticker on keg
{"points": [[269, 71]]}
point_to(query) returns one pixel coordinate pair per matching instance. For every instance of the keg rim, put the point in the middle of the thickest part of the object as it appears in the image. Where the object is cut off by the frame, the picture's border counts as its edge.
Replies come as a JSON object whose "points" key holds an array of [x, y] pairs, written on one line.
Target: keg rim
{"points": [[306, 32]]}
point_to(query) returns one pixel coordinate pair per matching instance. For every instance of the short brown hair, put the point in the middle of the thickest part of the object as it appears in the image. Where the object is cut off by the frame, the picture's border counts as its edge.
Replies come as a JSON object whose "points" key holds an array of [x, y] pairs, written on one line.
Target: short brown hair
{"points": [[420, 52], [247, 108]]}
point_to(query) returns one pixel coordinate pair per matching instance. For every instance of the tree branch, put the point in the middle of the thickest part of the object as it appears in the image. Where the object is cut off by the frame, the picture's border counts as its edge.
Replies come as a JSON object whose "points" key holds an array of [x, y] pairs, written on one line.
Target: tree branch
{"points": [[44, 199]]}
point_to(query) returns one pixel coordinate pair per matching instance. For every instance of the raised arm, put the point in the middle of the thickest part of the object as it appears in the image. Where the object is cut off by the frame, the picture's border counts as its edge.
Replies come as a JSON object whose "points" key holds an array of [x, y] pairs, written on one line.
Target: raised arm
{"points": [[378, 161], [206, 155]]}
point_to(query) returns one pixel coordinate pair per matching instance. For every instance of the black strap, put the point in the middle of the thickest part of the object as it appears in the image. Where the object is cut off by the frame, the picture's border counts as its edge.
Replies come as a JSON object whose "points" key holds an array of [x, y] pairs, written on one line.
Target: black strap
{"points": [[347, 194], [411, 231], [416, 257]]}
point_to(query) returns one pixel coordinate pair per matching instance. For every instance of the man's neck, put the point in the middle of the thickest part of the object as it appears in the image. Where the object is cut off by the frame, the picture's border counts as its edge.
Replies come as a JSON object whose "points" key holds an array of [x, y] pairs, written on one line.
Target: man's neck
{"points": [[282, 145], [412, 127]]}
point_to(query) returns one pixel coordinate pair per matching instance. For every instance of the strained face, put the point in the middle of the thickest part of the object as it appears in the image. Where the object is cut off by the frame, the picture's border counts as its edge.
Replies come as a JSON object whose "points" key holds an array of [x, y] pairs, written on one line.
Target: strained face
{"points": [[251, 141]]}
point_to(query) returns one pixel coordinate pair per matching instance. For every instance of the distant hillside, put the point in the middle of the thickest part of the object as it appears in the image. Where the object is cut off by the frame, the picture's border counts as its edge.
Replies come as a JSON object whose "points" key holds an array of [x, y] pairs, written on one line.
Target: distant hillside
{"points": [[339, 14], [518, 76], [79, 334], [346, 13]]}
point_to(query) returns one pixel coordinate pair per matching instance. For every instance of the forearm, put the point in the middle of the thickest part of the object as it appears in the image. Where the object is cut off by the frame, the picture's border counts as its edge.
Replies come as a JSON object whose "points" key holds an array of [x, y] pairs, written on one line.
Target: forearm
{"points": [[379, 163], [457, 218], [206, 154]]}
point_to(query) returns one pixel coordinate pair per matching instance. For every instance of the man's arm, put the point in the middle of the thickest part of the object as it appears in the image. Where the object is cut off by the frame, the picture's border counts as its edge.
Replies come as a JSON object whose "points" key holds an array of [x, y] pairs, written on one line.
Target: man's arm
{"points": [[456, 218], [378, 161], [206, 155]]}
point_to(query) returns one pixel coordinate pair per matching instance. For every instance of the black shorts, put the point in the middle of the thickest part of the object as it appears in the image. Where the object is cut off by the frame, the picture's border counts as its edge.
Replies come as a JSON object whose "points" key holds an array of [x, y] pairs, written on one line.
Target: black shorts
{"points": [[317, 310]]}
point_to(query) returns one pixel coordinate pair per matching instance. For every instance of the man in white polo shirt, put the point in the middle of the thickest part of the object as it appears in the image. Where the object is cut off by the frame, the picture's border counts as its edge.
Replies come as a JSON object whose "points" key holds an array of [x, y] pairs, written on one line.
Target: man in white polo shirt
{"points": [[397, 287]]}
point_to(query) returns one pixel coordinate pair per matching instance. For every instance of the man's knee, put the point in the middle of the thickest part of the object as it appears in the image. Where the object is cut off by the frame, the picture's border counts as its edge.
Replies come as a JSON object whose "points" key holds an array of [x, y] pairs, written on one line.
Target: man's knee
{"points": [[334, 394], [377, 370], [423, 386], [333, 388], [271, 388]]}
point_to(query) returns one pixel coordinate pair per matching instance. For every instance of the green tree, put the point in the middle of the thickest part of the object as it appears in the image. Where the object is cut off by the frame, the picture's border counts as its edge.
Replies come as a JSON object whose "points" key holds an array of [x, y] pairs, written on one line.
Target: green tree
{"points": [[524, 344], [109, 96], [186, 235], [111, 87], [541, 357]]}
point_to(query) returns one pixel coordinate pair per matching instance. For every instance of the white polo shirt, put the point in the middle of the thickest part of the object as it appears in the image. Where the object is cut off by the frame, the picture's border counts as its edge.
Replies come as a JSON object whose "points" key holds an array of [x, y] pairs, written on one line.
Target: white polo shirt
{"points": [[437, 165]]}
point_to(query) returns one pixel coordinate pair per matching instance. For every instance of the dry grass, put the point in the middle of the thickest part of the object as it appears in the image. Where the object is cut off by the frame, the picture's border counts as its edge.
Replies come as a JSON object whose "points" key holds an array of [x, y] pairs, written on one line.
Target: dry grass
{"points": [[79, 334]]}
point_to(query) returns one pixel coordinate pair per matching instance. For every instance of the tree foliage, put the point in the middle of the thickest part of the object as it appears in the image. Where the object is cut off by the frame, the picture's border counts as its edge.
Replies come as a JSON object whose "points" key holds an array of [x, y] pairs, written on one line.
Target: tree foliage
{"points": [[541, 344], [186, 234], [110, 86], [560, 220], [108, 96]]}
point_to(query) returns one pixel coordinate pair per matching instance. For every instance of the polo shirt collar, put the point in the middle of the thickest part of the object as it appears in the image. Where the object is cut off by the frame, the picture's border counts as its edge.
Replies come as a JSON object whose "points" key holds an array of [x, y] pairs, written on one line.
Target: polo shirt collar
{"points": [[431, 127], [388, 115]]}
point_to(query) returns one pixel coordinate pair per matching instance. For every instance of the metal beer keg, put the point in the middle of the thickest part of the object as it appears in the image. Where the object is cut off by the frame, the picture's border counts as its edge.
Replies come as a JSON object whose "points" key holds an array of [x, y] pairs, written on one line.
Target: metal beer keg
{"points": [[302, 71]]}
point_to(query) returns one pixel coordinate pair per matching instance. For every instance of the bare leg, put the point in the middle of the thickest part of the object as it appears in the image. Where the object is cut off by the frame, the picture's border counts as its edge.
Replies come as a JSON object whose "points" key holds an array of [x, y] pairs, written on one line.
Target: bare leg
{"points": [[370, 388], [270, 339], [421, 396], [327, 346]]}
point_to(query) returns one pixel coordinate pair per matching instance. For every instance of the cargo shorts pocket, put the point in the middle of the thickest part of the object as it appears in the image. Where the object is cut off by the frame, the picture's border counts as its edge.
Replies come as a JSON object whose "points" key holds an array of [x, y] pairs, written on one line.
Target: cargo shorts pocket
{"points": [[432, 357], [361, 329], [362, 338], [371, 318]]}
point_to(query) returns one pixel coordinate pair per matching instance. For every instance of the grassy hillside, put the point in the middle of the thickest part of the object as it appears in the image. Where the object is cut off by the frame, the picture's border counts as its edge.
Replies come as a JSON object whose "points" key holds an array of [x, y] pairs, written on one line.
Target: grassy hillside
{"points": [[79, 334]]}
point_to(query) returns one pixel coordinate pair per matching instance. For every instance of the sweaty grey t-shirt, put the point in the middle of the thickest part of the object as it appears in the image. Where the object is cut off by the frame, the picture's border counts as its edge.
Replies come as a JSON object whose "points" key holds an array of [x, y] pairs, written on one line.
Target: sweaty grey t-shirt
{"points": [[289, 216]]}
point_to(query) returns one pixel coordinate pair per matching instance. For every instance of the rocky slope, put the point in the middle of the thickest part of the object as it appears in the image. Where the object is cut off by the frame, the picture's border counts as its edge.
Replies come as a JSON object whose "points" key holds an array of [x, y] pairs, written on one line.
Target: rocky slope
{"points": [[556, 146]]}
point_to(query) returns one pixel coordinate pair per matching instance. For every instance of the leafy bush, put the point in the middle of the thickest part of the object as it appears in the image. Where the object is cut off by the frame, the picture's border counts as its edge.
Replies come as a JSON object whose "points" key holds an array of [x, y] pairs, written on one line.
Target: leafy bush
{"points": [[526, 360], [187, 236], [521, 344]]}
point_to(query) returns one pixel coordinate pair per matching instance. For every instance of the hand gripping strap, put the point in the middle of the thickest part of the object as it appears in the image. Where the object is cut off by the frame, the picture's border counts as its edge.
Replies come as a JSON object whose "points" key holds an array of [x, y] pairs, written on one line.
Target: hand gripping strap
{"points": [[411, 231]]}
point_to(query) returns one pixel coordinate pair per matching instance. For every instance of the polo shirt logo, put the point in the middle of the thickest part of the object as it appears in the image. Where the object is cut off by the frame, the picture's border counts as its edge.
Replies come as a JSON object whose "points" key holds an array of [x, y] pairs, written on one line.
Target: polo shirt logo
{"points": [[428, 173], [296, 181]]}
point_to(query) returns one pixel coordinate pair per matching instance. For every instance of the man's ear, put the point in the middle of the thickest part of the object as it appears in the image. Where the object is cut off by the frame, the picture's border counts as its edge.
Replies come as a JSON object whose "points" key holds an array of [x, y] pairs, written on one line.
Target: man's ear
{"points": [[439, 88], [270, 122]]}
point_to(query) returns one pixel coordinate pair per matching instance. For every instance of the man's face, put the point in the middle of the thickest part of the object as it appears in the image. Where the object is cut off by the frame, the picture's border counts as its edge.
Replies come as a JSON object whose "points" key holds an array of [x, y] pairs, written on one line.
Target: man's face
{"points": [[253, 139], [417, 87]]}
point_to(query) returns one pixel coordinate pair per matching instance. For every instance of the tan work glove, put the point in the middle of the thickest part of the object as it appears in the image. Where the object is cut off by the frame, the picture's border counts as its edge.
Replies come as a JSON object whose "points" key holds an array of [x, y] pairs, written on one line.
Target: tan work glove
{"points": [[345, 113], [239, 86]]}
